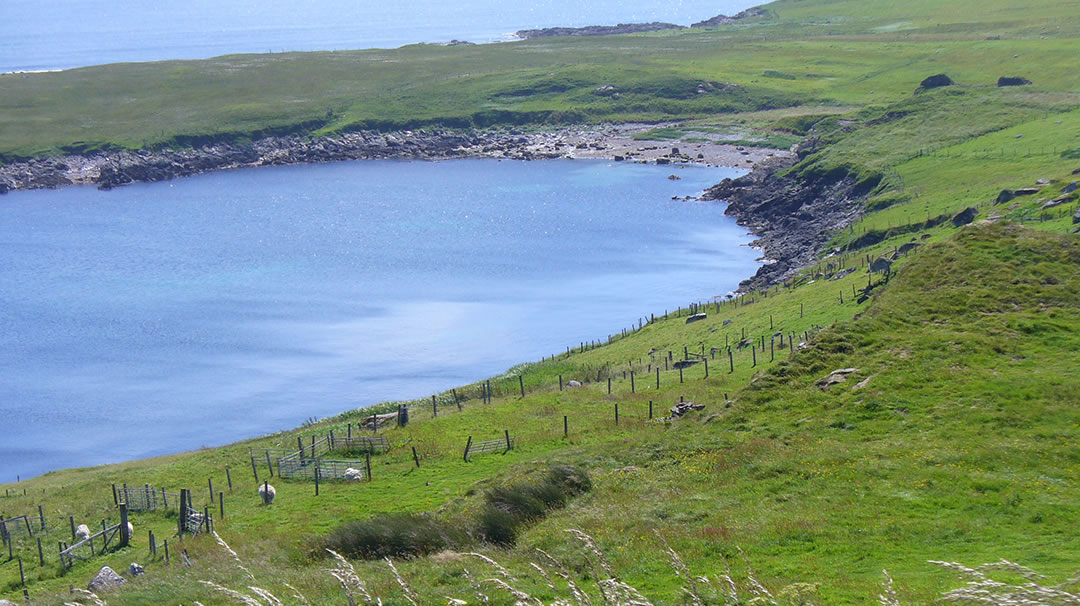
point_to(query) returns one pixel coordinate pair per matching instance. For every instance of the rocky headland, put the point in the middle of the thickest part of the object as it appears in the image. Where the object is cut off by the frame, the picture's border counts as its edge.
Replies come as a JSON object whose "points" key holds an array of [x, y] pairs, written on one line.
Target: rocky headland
{"points": [[793, 218]]}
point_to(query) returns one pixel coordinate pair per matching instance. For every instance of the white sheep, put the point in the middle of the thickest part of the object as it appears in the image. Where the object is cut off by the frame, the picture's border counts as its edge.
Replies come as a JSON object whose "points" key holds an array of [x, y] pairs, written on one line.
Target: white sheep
{"points": [[353, 474], [267, 493], [131, 530], [82, 532]]}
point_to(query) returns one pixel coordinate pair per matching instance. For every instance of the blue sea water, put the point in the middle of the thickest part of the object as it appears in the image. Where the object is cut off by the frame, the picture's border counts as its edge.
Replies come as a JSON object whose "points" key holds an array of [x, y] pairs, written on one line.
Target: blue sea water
{"points": [[162, 317], [61, 34]]}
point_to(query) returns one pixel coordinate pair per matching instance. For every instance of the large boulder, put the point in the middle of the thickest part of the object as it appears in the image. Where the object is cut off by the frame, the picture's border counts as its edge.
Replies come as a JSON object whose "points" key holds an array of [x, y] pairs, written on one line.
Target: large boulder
{"points": [[935, 81], [965, 216], [106, 579], [1013, 81]]}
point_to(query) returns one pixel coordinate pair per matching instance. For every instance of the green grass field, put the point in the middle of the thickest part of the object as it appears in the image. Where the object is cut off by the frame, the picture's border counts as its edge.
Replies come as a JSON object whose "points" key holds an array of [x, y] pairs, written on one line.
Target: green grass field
{"points": [[953, 439]]}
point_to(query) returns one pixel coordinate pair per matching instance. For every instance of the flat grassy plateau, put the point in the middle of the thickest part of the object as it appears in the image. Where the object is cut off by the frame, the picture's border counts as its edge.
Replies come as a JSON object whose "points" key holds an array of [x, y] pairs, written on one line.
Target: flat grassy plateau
{"points": [[952, 439]]}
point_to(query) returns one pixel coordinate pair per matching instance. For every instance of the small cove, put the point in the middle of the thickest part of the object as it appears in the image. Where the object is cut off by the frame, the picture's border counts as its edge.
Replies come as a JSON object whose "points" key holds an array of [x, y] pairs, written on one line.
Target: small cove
{"points": [[204, 310]]}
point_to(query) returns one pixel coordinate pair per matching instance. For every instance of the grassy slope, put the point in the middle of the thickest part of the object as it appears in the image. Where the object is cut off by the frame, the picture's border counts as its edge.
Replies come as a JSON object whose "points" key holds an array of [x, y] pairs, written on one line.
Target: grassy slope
{"points": [[958, 448]]}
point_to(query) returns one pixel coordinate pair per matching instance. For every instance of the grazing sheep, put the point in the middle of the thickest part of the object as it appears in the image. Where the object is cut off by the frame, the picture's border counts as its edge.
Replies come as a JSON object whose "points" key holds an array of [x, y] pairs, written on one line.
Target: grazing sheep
{"points": [[353, 474], [82, 532], [131, 530], [267, 493]]}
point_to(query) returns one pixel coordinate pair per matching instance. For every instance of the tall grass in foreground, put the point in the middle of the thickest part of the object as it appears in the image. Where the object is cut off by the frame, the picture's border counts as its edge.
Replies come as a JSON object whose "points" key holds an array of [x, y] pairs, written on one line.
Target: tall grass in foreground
{"points": [[723, 589]]}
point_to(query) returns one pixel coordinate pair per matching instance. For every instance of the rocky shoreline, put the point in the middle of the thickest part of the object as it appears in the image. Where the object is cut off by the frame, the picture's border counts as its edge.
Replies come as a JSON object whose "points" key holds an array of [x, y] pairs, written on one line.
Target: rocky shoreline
{"points": [[112, 169], [792, 218]]}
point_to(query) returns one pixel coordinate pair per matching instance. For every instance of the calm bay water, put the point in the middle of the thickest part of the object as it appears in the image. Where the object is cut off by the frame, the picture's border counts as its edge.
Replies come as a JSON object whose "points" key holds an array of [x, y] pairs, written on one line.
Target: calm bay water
{"points": [[162, 317], [60, 34]]}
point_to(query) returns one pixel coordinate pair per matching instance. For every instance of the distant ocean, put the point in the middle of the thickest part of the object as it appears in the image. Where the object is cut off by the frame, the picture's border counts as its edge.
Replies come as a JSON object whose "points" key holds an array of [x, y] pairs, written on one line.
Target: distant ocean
{"points": [[62, 34]]}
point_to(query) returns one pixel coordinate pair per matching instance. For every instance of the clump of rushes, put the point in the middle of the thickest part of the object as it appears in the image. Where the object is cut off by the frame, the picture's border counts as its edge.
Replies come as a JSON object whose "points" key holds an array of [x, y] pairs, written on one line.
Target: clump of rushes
{"points": [[506, 509], [395, 535]]}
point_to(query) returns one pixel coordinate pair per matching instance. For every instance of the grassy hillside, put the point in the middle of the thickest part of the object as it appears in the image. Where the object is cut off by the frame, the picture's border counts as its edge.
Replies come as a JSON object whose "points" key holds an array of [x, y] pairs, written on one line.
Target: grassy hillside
{"points": [[952, 438], [804, 53]]}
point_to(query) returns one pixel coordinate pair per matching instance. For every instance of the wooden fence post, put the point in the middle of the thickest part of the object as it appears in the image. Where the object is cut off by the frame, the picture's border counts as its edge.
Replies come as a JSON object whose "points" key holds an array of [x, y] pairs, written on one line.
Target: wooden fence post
{"points": [[415, 458], [731, 361], [650, 409], [521, 382], [228, 476], [434, 407], [255, 470], [40, 552], [560, 383], [616, 413], [41, 515], [508, 445], [467, 446], [221, 503], [658, 377], [125, 536], [565, 427], [210, 484], [706, 368], [633, 387], [456, 400], [316, 478], [367, 464]]}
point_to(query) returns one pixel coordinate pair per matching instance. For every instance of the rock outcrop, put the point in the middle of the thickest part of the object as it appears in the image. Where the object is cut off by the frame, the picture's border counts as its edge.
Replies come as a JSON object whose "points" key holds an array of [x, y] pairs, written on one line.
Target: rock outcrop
{"points": [[793, 218], [106, 578]]}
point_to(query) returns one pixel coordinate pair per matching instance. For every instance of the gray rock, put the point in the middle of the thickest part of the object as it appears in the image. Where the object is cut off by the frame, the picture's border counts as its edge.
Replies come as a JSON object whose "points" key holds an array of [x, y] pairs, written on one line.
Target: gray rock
{"points": [[684, 364], [7, 603], [1070, 188], [1027, 191], [1042, 182], [727, 322], [682, 408], [1005, 196], [965, 216], [837, 376], [1076, 216], [106, 579], [696, 318], [136, 570]]}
